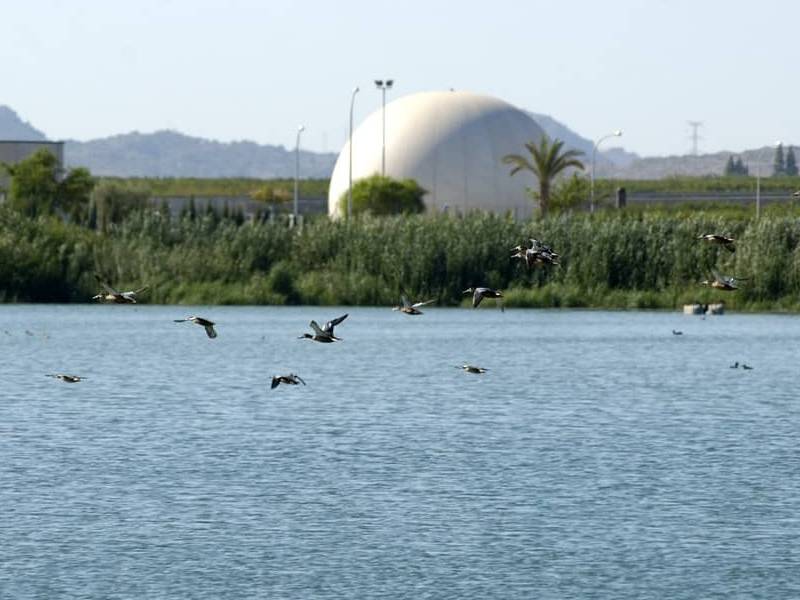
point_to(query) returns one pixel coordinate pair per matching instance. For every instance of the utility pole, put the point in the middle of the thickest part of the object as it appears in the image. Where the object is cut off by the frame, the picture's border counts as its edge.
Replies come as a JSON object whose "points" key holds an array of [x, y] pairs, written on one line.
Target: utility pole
{"points": [[695, 125]]}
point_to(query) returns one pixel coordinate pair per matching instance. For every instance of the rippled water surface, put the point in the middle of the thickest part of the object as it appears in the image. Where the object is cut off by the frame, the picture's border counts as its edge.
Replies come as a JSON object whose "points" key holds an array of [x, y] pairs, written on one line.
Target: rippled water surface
{"points": [[600, 456]]}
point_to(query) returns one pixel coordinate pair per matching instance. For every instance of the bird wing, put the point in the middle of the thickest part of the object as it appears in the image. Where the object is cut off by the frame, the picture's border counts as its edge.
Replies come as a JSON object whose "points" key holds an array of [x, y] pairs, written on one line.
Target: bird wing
{"points": [[718, 277], [210, 331], [477, 296], [315, 326], [404, 301], [333, 323], [107, 287], [275, 382], [181, 320], [300, 379], [418, 304]]}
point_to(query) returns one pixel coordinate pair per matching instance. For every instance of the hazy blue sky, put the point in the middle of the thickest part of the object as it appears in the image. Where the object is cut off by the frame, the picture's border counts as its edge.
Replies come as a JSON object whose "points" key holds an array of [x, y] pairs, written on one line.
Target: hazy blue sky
{"points": [[240, 69]]}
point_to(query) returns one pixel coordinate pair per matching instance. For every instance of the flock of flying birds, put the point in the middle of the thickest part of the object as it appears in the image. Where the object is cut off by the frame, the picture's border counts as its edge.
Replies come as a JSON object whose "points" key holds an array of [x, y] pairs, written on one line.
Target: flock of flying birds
{"points": [[537, 255]]}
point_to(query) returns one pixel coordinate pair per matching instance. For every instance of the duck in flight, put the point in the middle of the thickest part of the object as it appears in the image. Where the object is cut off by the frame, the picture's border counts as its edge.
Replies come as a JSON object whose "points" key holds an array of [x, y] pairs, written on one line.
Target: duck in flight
{"points": [[722, 283], [324, 334], [290, 379], [112, 295], [67, 378], [725, 241], [205, 323], [478, 294], [408, 308], [473, 369]]}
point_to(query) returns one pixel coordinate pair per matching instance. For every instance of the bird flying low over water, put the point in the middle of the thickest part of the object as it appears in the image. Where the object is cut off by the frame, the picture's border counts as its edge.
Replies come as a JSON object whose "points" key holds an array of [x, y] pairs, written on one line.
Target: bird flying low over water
{"points": [[478, 294], [677, 332], [324, 334], [290, 379], [408, 308], [67, 378], [720, 240], [205, 323], [473, 369], [112, 295], [722, 283], [538, 255]]}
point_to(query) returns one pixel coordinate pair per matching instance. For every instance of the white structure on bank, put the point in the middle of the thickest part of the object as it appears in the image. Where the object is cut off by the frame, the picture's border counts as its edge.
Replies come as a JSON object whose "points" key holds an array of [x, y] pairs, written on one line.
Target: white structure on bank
{"points": [[452, 144]]}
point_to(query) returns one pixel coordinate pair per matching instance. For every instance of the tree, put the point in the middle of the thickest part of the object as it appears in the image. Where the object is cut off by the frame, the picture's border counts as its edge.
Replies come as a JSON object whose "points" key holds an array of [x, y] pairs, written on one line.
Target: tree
{"points": [[40, 186], [790, 168], [730, 167], [385, 196], [569, 193], [547, 160], [778, 164], [735, 166], [112, 201]]}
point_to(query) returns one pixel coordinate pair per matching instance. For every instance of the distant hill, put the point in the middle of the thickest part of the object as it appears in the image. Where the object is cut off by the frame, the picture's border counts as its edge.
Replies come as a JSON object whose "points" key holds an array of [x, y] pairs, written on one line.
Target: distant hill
{"points": [[12, 127], [611, 156], [173, 154]]}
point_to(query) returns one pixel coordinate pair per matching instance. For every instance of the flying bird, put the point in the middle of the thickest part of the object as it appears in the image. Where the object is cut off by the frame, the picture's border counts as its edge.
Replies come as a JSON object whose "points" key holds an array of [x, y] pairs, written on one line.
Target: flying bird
{"points": [[719, 240], [67, 378], [325, 334], [722, 283], [112, 295], [205, 323], [478, 294], [290, 379], [473, 369], [408, 308]]}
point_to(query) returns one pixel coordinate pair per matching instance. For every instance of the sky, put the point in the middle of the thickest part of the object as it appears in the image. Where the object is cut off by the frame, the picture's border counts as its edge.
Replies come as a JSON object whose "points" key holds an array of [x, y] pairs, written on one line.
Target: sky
{"points": [[256, 70]]}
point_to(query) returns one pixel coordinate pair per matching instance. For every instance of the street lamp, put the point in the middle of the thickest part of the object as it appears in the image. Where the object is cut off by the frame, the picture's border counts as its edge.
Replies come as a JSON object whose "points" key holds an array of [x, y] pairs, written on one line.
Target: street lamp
{"points": [[383, 86], [758, 178], [350, 162], [297, 170], [616, 133]]}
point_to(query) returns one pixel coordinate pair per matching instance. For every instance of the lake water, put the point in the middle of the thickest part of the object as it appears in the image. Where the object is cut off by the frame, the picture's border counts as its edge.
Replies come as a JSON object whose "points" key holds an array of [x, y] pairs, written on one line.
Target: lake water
{"points": [[600, 456]]}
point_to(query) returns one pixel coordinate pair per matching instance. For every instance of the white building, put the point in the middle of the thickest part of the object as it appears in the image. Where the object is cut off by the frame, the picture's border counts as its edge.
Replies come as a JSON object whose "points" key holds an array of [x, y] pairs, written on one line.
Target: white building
{"points": [[452, 144]]}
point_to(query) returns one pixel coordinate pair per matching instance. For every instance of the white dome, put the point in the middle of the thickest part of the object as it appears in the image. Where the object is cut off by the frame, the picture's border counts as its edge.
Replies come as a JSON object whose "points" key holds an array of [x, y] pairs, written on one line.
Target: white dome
{"points": [[452, 144]]}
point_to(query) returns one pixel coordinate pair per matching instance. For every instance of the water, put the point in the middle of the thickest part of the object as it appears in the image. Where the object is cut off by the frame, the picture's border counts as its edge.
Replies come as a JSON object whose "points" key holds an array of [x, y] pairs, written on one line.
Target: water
{"points": [[600, 456]]}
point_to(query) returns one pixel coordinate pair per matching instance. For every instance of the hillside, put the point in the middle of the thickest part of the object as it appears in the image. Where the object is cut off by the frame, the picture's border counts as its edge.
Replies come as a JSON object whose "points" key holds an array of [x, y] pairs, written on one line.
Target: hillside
{"points": [[12, 127], [173, 154]]}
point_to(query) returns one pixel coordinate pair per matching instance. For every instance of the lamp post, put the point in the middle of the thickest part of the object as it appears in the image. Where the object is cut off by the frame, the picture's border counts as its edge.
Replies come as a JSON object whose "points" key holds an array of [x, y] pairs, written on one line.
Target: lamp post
{"points": [[758, 179], [350, 162], [296, 170], [616, 133], [383, 86]]}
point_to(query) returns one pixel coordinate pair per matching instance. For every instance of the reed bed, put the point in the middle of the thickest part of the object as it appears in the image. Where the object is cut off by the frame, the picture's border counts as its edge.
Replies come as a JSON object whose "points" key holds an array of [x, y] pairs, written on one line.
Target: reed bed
{"points": [[608, 260]]}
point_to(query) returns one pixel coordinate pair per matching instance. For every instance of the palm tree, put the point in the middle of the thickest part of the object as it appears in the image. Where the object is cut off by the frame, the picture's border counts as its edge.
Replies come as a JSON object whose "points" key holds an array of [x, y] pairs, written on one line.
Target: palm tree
{"points": [[548, 160]]}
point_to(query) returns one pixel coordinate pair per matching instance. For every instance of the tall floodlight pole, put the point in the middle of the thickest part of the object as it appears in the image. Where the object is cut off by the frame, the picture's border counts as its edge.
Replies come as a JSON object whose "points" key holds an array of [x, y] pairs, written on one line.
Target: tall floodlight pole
{"points": [[616, 133], [350, 162], [297, 170], [758, 178], [383, 86]]}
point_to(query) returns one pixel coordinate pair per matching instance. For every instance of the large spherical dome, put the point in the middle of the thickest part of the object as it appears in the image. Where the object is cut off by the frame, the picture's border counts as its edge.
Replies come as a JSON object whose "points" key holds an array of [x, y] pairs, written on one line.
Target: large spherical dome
{"points": [[452, 144]]}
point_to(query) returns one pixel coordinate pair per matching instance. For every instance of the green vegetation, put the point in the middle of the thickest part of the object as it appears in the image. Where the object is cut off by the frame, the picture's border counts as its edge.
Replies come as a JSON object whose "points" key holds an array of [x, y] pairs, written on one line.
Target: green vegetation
{"points": [[610, 259], [547, 161], [38, 187], [381, 196], [195, 186], [735, 167]]}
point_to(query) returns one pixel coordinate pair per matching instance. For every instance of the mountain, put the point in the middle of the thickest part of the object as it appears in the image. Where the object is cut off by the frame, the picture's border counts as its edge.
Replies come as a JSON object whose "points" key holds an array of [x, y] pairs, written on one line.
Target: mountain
{"points": [[616, 157], [12, 127], [173, 154]]}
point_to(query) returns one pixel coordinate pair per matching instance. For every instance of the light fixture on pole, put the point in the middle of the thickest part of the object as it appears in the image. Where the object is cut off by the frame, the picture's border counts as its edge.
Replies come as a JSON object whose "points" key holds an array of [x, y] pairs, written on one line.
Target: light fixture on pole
{"points": [[616, 133], [383, 86], [296, 170], [758, 178], [350, 162]]}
